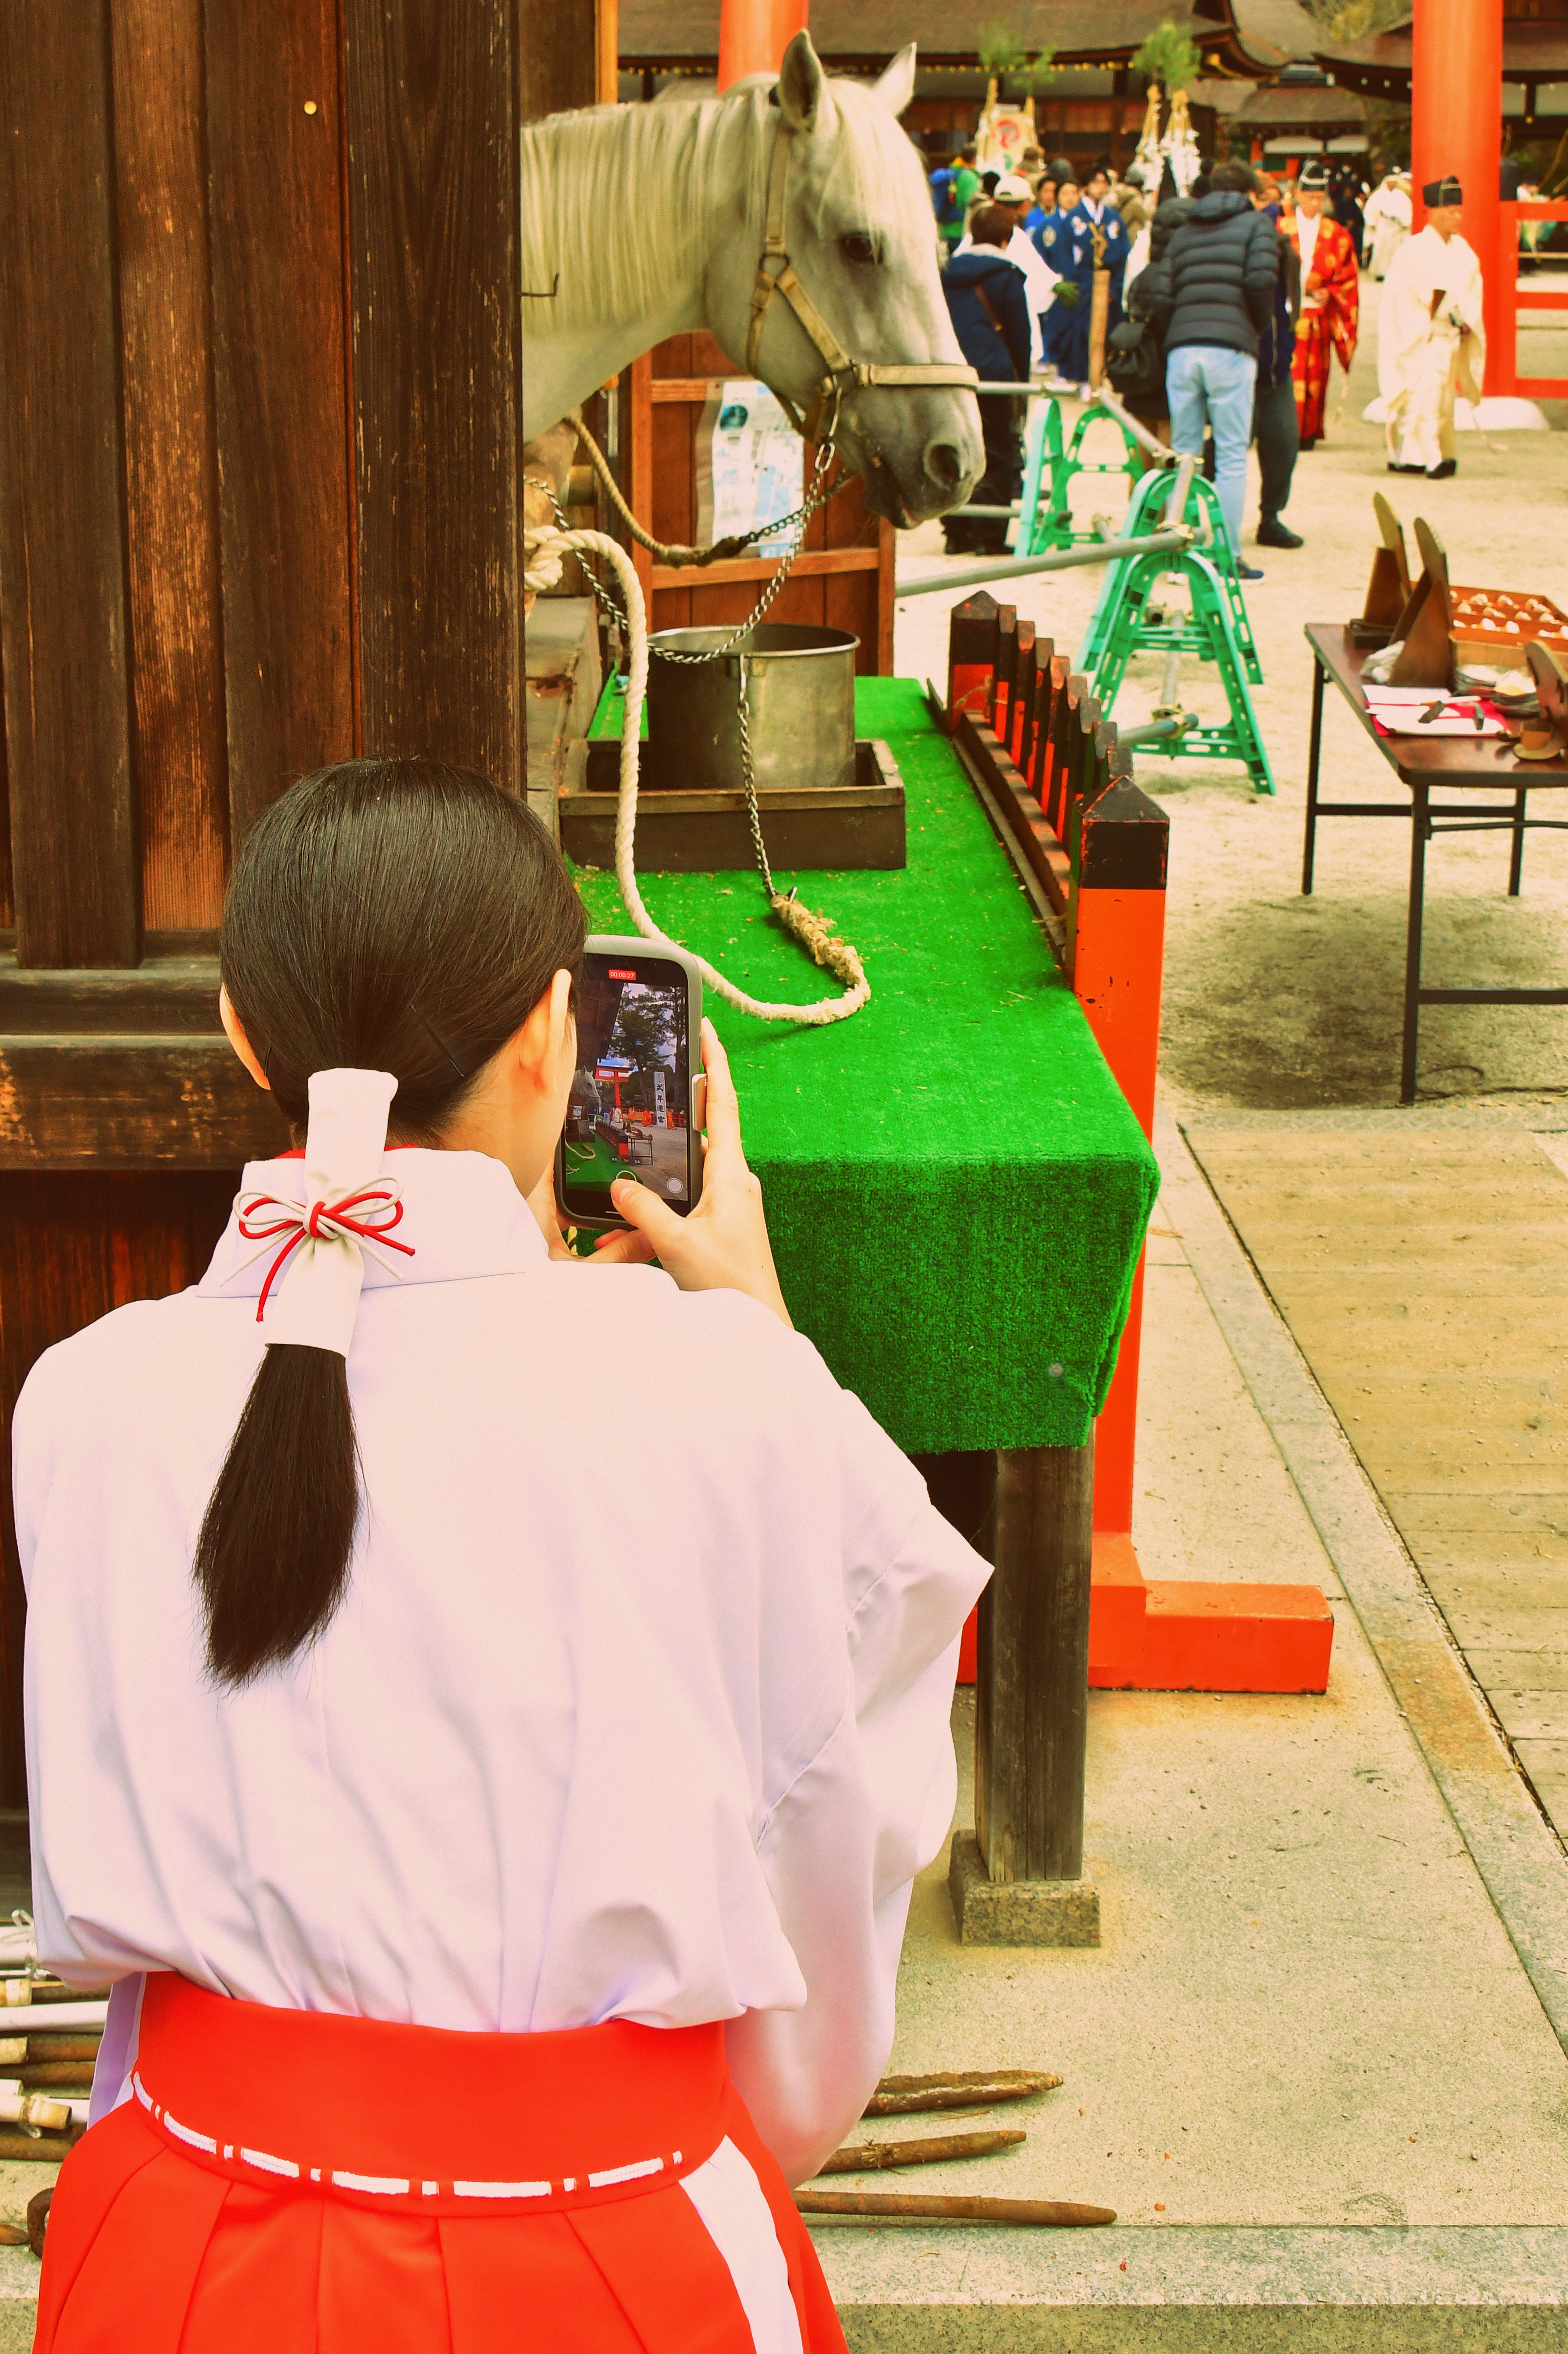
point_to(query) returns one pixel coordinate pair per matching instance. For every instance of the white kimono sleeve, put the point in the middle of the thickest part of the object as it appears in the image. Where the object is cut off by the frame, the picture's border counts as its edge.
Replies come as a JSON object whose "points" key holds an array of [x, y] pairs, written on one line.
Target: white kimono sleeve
{"points": [[841, 1847]]}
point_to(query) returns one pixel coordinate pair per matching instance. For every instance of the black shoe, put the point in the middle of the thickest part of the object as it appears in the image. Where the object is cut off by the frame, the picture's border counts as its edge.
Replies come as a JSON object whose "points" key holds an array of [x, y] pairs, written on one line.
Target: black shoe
{"points": [[1441, 473], [1309, 441], [1404, 470], [1248, 572], [1272, 533]]}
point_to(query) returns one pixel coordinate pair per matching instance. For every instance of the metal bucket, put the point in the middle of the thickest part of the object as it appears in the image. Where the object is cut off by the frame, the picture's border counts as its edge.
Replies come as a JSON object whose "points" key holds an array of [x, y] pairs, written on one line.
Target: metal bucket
{"points": [[800, 705]]}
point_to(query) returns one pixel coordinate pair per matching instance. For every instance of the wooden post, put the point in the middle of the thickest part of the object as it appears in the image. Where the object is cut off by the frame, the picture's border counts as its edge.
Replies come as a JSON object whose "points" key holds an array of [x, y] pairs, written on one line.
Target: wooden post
{"points": [[63, 598], [433, 255], [280, 394], [1020, 1881]]}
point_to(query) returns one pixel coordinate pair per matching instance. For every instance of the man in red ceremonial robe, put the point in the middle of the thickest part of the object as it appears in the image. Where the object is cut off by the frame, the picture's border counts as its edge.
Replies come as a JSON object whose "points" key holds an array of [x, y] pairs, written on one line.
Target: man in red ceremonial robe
{"points": [[1330, 300]]}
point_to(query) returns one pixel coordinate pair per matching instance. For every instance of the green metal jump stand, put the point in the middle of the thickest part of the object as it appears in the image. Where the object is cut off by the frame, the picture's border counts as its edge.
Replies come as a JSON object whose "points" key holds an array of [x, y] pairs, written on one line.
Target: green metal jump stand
{"points": [[1046, 512], [1129, 620]]}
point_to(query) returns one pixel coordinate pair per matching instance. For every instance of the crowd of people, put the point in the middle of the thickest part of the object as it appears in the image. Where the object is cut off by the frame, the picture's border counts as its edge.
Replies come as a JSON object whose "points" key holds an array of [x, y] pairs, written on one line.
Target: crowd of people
{"points": [[1216, 317]]}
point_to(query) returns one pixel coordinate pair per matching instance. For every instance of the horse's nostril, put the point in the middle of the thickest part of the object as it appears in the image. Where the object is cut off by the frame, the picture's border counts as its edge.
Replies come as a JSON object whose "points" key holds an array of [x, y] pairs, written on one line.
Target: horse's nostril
{"points": [[944, 464]]}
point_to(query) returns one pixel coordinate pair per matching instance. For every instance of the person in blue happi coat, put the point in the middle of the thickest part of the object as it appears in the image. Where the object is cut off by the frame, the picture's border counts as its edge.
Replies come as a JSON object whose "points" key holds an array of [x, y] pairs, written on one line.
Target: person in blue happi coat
{"points": [[1054, 243], [1094, 238]]}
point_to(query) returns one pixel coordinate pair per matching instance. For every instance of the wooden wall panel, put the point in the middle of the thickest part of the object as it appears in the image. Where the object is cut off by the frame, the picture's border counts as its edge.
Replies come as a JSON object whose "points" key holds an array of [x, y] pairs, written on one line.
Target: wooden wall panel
{"points": [[72, 1247], [63, 603], [171, 460], [557, 60], [281, 394], [438, 379]]}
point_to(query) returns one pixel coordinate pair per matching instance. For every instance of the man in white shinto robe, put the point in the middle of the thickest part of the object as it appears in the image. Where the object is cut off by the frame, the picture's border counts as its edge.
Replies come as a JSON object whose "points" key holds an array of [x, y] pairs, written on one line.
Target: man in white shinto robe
{"points": [[1432, 339], [1387, 220]]}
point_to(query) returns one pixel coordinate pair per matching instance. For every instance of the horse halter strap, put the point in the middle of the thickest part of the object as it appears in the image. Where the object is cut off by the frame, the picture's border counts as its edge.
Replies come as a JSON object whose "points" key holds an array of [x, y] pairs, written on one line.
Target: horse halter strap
{"points": [[776, 275]]}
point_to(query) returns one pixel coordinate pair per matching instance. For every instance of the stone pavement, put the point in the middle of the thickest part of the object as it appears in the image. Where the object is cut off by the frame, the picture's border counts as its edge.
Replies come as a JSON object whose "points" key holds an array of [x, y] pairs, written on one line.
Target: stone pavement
{"points": [[1307, 2067]]}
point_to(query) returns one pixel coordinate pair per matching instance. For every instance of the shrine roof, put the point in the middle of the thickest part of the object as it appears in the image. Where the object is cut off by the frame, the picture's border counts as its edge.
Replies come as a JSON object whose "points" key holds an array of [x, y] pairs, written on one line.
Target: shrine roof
{"points": [[1534, 50], [1238, 36]]}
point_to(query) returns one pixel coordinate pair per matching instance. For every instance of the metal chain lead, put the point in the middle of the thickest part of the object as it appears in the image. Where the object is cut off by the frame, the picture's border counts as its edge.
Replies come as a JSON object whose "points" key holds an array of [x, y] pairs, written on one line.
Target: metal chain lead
{"points": [[816, 497]]}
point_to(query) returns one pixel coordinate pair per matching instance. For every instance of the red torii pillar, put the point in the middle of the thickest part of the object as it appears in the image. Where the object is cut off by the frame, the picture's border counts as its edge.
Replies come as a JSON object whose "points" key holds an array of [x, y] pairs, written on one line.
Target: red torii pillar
{"points": [[754, 35], [1456, 98]]}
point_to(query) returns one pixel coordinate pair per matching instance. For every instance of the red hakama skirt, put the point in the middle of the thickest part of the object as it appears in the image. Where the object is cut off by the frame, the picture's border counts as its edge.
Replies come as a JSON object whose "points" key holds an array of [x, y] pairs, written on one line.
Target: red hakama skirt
{"points": [[285, 2182]]}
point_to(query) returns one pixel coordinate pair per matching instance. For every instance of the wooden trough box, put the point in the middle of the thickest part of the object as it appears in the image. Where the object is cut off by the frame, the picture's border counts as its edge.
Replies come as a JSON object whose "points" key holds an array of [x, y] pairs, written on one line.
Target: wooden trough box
{"points": [[835, 826]]}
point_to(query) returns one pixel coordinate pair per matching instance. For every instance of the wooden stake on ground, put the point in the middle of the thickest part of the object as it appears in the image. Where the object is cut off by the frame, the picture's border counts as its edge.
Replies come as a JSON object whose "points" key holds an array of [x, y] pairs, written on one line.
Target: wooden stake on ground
{"points": [[872, 2157], [963, 2088], [898, 2203]]}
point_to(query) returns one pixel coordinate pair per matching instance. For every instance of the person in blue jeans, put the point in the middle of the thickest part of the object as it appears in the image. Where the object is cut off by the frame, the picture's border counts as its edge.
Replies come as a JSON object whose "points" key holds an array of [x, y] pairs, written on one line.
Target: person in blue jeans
{"points": [[1211, 293]]}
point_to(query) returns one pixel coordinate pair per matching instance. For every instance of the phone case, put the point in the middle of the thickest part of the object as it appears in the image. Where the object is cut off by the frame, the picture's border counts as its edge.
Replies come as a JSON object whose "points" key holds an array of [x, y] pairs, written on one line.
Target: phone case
{"points": [[635, 950]]}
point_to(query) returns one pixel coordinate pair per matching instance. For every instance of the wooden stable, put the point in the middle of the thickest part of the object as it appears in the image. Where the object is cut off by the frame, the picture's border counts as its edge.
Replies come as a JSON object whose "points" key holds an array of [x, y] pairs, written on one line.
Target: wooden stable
{"points": [[842, 577], [259, 460]]}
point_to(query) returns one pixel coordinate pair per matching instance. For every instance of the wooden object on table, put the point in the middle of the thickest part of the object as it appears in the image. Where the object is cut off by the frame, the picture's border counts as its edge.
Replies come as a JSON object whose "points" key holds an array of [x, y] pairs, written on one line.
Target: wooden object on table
{"points": [[1545, 738], [1499, 625], [909, 2207], [1388, 590], [964, 2088], [843, 576], [14, 2235], [876, 2157], [858, 825], [1426, 655], [57, 2075]]}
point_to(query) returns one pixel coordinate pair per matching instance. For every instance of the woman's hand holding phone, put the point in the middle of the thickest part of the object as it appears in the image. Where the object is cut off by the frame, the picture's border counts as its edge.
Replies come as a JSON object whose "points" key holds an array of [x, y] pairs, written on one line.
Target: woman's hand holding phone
{"points": [[721, 1245]]}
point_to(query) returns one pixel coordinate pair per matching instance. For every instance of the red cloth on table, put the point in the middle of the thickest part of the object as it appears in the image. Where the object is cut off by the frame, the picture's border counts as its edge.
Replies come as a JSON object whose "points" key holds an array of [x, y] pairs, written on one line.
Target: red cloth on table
{"points": [[157, 2244], [1335, 282]]}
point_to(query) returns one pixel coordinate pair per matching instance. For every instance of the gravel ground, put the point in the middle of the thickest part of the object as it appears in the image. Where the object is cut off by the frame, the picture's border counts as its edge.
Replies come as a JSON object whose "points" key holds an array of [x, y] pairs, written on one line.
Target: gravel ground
{"points": [[1278, 1002]]}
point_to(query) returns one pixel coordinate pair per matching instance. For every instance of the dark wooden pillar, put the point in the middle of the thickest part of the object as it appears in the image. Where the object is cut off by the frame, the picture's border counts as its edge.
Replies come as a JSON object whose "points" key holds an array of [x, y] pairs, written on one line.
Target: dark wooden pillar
{"points": [[64, 603], [280, 363], [434, 294], [1020, 1880]]}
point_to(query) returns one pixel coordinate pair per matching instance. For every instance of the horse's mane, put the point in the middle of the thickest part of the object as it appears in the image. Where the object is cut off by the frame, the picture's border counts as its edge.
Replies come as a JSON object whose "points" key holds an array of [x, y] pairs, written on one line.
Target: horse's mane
{"points": [[612, 198]]}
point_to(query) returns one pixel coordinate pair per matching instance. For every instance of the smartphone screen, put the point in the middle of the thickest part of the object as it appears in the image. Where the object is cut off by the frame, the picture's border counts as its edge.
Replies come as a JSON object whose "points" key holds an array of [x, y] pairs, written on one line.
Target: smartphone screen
{"points": [[628, 1114]]}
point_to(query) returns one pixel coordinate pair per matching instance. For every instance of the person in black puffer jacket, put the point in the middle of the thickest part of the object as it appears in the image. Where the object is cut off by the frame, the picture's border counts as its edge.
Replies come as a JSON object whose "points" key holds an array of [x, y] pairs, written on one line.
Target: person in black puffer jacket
{"points": [[1152, 407], [990, 311], [1211, 293]]}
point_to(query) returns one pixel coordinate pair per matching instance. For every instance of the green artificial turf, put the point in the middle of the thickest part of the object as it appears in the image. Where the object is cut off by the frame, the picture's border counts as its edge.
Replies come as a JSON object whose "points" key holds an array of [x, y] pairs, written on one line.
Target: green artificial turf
{"points": [[956, 1189]]}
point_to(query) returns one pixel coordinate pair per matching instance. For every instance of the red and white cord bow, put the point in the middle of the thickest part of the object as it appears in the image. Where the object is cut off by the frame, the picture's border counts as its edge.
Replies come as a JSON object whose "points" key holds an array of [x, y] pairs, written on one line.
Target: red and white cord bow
{"points": [[325, 1222]]}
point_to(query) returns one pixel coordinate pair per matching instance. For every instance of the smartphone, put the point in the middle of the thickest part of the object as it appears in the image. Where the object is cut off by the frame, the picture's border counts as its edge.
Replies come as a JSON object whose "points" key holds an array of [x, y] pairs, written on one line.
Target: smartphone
{"points": [[632, 1107]]}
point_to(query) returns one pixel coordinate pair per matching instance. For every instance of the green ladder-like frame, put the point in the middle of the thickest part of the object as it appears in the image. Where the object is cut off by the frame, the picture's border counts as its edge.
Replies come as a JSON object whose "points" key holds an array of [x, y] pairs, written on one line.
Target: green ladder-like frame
{"points": [[1045, 513], [1216, 629]]}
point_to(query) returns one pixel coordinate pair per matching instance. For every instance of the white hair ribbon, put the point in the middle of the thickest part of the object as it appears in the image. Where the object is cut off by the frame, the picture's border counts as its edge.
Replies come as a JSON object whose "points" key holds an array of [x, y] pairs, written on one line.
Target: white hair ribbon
{"points": [[347, 1207]]}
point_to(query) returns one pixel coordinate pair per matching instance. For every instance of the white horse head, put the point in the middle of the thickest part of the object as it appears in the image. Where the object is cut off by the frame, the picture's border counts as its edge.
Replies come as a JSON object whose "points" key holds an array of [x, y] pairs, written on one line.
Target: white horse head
{"points": [[643, 222]]}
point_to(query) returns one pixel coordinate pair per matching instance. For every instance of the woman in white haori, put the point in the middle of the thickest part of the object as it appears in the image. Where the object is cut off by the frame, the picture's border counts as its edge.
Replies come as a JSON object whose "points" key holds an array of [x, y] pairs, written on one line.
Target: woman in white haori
{"points": [[484, 1711], [1430, 338]]}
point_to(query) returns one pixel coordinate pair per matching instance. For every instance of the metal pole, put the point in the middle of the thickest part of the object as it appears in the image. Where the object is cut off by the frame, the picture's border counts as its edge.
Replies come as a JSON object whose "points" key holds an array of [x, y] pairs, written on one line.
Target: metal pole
{"points": [[1156, 450], [1062, 559]]}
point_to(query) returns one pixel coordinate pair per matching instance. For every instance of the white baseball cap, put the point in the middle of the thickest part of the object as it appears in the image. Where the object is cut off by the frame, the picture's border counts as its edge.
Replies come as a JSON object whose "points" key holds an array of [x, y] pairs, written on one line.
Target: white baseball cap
{"points": [[1013, 190]]}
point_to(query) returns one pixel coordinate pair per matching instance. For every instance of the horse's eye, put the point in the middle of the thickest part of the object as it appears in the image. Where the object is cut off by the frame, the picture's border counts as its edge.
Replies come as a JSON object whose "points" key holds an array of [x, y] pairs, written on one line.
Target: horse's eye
{"points": [[860, 245]]}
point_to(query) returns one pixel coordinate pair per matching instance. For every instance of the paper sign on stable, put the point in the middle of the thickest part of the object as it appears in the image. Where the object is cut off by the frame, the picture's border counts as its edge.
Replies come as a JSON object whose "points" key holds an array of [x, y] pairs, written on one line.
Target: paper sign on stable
{"points": [[751, 464], [659, 1112]]}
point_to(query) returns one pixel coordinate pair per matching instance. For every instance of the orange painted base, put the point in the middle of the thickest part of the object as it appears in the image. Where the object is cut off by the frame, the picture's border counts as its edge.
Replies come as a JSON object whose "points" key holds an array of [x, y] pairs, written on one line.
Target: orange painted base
{"points": [[1195, 1637]]}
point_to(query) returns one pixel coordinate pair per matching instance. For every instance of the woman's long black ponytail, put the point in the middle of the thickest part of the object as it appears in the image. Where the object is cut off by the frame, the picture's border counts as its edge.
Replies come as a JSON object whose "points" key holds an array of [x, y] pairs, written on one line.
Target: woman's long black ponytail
{"points": [[385, 915]]}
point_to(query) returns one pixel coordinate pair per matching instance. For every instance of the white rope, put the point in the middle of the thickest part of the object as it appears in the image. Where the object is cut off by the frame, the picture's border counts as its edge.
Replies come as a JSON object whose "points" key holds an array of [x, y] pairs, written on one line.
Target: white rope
{"points": [[814, 931]]}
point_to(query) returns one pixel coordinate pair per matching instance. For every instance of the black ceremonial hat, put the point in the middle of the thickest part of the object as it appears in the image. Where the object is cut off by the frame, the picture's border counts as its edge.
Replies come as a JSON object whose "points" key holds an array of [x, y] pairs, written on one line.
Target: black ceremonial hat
{"points": [[1446, 191], [1313, 175]]}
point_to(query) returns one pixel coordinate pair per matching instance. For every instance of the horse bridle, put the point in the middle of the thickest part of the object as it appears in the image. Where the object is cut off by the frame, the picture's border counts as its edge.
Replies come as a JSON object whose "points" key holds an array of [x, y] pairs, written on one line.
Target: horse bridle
{"points": [[776, 275]]}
